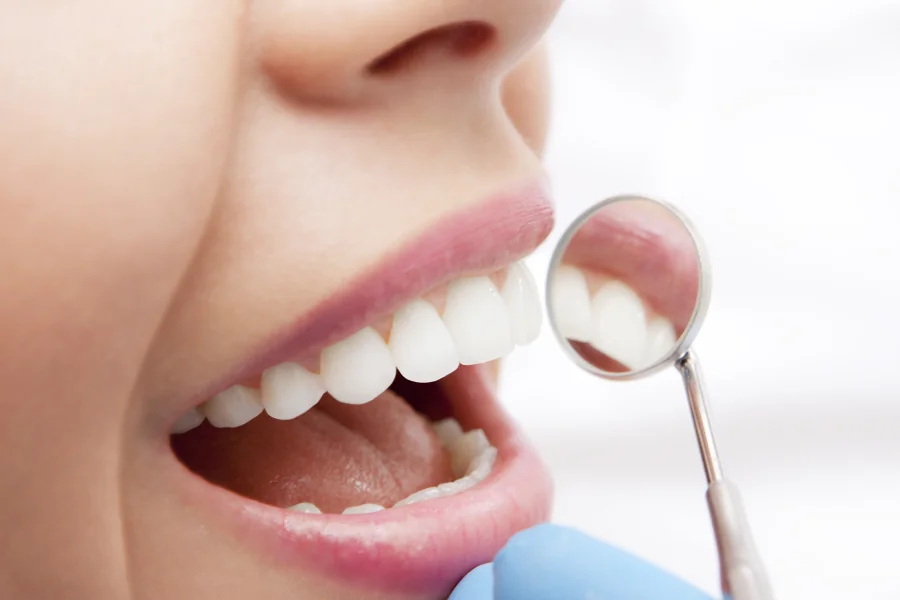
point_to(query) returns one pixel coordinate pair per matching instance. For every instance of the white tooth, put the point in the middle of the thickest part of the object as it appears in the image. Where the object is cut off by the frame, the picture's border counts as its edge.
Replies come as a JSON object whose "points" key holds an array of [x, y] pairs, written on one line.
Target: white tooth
{"points": [[420, 496], [288, 390], [233, 407], [465, 449], [619, 323], [478, 320], [571, 303], [520, 294], [363, 509], [481, 467], [420, 343], [660, 340], [454, 487], [478, 471], [187, 421], [306, 507], [448, 430], [358, 369]]}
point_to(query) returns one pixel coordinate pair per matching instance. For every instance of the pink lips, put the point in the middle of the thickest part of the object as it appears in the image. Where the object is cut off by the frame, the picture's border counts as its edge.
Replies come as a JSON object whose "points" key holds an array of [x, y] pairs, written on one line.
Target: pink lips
{"points": [[479, 240], [420, 548]]}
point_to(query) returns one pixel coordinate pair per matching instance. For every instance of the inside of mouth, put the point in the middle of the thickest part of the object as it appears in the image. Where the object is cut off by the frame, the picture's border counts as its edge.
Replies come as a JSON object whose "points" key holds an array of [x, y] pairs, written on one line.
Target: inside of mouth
{"points": [[405, 446], [365, 445]]}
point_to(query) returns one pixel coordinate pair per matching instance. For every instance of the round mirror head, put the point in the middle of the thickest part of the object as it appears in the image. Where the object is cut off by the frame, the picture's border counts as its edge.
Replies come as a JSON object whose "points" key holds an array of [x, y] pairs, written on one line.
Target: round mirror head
{"points": [[628, 287]]}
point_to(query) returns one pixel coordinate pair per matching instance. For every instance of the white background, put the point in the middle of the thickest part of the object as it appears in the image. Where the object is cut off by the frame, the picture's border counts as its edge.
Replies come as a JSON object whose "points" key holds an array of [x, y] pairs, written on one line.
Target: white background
{"points": [[775, 125]]}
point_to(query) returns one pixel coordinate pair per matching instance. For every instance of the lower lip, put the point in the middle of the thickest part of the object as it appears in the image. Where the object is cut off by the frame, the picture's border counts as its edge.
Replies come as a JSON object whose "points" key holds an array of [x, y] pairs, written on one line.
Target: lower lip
{"points": [[421, 548]]}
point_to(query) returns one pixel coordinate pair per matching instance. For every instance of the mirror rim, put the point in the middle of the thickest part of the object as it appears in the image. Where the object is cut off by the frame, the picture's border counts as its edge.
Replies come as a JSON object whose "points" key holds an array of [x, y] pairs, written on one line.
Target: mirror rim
{"points": [[701, 307]]}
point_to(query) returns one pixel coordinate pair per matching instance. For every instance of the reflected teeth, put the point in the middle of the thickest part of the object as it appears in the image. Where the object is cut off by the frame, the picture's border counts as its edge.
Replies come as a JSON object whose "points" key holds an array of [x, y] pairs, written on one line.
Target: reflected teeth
{"points": [[474, 466], [478, 320], [571, 304], [479, 324], [233, 407], [619, 324], [613, 321], [661, 340]]}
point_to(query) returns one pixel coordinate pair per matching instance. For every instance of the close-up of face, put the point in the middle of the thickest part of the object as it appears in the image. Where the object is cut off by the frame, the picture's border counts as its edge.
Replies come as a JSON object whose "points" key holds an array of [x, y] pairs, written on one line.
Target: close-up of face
{"points": [[259, 260]]}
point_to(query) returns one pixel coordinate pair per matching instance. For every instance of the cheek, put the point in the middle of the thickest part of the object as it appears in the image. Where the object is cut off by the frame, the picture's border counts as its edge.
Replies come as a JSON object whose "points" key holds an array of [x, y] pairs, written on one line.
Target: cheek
{"points": [[526, 97], [115, 120]]}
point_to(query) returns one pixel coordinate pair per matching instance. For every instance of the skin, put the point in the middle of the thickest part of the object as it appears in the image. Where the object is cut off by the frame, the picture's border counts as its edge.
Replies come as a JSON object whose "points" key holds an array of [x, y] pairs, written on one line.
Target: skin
{"points": [[180, 179]]}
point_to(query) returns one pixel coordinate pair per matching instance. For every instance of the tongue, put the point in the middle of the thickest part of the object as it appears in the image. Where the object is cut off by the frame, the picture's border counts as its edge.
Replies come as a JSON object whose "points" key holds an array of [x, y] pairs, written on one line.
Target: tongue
{"points": [[335, 456]]}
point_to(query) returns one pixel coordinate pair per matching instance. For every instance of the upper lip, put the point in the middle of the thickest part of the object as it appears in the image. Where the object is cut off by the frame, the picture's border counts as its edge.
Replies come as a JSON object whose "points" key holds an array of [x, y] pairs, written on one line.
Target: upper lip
{"points": [[479, 240]]}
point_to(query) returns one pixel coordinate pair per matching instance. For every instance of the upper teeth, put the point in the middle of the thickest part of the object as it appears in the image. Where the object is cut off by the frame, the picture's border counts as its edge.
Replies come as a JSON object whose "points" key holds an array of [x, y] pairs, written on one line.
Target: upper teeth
{"points": [[421, 345], [359, 368], [614, 320], [233, 407], [478, 320], [479, 323], [288, 390], [188, 421]]}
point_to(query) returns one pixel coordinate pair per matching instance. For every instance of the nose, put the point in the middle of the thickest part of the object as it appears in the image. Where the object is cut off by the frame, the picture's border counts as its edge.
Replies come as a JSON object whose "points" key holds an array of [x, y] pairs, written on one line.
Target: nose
{"points": [[338, 49]]}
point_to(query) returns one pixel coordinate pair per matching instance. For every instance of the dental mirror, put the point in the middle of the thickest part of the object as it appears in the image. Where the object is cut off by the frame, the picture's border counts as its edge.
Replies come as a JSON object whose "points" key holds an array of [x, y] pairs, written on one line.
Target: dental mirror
{"points": [[627, 291], [628, 287]]}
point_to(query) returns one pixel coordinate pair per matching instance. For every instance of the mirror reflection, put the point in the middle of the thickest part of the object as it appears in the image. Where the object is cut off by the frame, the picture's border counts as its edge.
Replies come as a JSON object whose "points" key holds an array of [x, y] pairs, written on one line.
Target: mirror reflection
{"points": [[625, 285]]}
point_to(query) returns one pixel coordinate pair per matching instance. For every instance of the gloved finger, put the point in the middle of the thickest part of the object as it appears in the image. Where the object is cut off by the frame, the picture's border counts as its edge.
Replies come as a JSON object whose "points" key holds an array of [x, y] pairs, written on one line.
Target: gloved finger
{"points": [[477, 585], [549, 562]]}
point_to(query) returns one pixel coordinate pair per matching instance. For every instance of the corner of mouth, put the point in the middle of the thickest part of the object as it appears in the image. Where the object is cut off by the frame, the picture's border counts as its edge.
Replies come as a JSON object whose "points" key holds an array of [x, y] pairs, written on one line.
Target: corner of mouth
{"points": [[423, 547]]}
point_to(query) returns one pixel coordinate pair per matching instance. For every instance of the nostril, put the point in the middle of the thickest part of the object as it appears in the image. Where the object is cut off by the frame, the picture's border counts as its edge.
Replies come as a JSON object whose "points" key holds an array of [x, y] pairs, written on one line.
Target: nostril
{"points": [[457, 40]]}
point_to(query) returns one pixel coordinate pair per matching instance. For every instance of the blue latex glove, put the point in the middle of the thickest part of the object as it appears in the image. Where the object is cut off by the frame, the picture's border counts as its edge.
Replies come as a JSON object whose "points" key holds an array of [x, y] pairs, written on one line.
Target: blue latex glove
{"points": [[549, 562]]}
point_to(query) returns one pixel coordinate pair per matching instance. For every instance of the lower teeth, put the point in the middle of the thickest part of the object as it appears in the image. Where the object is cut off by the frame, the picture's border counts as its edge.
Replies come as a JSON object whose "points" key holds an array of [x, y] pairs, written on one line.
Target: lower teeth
{"points": [[363, 509], [472, 458]]}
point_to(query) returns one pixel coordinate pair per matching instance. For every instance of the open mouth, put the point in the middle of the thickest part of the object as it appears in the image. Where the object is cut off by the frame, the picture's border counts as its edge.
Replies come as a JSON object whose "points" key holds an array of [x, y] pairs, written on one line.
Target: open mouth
{"points": [[366, 424], [377, 452]]}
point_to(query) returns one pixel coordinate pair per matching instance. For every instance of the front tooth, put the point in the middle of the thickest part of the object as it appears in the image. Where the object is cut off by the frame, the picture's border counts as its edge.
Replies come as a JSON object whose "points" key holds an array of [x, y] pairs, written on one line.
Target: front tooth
{"points": [[233, 407], [465, 449], [358, 369], [448, 430], [520, 295], [421, 344], [478, 320], [571, 303], [306, 507], [660, 340], [619, 323], [363, 509], [288, 390], [187, 421]]}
